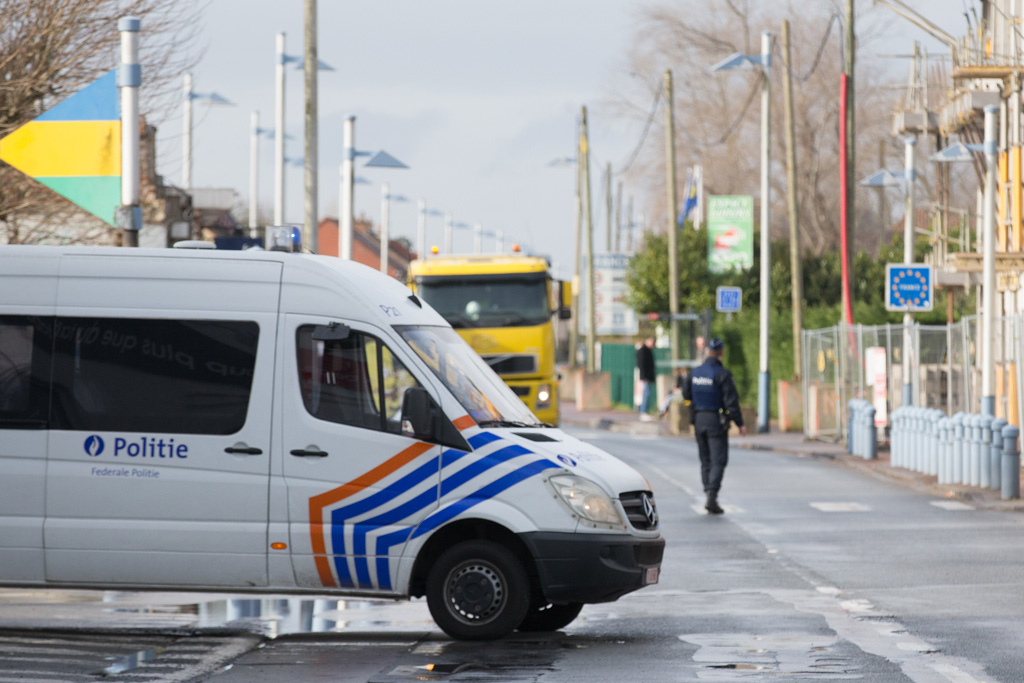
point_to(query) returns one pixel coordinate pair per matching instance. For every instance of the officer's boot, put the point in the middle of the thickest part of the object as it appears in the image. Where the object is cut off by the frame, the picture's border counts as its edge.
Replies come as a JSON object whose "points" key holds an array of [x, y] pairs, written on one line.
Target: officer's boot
{"points": [[712, 505]]}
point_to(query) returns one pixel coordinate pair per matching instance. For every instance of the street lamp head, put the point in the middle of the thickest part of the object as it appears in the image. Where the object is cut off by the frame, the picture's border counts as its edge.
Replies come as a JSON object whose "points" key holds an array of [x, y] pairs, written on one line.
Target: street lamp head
{"points": [[958, 151], [211, 98], [384, 160], [882, 178], [736, 61]]}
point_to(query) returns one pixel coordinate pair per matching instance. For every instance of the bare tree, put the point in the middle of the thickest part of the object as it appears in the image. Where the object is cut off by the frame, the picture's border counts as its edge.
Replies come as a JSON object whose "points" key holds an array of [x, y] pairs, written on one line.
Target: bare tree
{"points": [[717, 117], [50, 49]]}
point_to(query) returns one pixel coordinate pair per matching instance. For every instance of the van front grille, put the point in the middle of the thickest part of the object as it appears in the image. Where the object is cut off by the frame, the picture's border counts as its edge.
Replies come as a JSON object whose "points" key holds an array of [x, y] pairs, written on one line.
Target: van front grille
{"points": [[640, 509]]}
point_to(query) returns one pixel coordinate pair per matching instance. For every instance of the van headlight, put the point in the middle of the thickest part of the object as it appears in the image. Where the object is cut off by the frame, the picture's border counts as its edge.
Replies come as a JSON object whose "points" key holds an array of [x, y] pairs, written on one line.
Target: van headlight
{"points": [[543, 395], [586, 501]]}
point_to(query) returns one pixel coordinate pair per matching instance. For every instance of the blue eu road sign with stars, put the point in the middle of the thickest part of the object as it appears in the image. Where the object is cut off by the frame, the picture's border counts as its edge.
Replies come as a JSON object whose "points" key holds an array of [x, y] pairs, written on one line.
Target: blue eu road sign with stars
{"points": [[908, 288], [728, 299]]}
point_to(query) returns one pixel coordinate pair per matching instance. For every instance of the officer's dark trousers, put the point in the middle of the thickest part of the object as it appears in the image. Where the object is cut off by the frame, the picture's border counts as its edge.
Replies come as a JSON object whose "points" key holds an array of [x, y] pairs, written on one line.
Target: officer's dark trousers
{"points": [[713, 446]]}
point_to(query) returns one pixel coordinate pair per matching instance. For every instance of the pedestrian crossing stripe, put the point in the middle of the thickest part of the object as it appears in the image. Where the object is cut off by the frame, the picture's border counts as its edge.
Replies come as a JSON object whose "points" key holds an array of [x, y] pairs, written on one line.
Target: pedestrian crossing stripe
{"points": [[953, 505], [840, 507]]}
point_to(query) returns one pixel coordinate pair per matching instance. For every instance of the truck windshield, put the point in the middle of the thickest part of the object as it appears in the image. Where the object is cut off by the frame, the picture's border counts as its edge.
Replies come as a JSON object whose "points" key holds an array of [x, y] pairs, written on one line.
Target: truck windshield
{"points": [[506, 301], [482, 393]]}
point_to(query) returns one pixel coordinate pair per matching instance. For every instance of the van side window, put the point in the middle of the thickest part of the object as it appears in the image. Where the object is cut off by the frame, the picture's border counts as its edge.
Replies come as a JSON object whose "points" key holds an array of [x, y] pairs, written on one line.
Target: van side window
{"points": [[24, 370], [147, 375], [354, 381]]}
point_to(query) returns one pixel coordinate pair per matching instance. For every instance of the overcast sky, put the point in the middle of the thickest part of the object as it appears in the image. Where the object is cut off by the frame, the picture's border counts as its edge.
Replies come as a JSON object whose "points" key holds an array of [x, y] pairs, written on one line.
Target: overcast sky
{"points": [[475, 96]]}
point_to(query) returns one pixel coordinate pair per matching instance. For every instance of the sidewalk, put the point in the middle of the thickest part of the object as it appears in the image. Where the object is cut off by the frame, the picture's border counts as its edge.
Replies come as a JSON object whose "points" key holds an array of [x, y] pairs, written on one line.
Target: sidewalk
{"points": [[795, 443]]}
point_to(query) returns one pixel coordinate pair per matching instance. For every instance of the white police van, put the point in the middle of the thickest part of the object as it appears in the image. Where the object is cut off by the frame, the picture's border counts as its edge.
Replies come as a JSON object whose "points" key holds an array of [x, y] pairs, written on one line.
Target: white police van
{"points": [[270, 422]]}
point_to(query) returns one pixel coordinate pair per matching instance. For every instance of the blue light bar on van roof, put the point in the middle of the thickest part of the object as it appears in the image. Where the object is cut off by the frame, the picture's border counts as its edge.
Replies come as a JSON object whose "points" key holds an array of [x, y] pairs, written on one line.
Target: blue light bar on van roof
{"points": [[283, 238]]}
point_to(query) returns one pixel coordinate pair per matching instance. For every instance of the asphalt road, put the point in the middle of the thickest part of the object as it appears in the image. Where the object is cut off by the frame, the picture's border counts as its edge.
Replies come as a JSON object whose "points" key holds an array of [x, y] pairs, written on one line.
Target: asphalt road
{"points": [[815, 572]]}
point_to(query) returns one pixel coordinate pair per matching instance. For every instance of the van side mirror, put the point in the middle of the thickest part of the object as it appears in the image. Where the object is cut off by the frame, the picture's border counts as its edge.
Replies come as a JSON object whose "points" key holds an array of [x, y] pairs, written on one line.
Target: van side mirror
{"points": [[417, 413], [564, 300], [422, 419]]}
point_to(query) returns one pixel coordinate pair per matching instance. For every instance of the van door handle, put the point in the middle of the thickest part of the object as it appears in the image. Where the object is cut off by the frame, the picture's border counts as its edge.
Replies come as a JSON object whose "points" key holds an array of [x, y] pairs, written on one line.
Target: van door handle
{"points": [[309, 453], [243, 449]]}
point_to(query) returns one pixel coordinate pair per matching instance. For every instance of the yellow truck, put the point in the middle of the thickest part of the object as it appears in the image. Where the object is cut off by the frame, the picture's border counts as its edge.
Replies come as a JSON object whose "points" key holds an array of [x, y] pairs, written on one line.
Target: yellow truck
{"points": [[503, 306]]}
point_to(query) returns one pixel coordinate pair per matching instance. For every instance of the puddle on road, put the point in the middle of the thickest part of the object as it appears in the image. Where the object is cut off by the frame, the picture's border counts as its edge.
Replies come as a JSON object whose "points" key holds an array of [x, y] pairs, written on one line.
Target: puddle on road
{"points": [[130, 662]]}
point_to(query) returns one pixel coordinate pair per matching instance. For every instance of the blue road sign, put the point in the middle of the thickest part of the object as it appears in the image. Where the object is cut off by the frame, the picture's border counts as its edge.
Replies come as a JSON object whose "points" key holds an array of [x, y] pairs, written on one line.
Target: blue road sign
{"points": [[728, 299], [908, 288]]}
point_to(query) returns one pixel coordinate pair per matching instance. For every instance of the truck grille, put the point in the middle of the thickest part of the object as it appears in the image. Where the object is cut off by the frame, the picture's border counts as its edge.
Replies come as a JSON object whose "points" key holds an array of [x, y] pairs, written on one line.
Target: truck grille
{"points": [[509, 364], [520, 391], [640, 509]]}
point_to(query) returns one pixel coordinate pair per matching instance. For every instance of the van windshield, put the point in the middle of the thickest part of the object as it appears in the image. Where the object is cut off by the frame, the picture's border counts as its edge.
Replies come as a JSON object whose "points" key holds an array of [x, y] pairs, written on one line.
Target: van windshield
{"points": [[483, 394]]}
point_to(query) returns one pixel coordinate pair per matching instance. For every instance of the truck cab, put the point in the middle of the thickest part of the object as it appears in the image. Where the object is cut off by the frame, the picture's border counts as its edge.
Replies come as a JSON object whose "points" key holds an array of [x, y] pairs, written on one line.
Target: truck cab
{"points": [[504, 307]]}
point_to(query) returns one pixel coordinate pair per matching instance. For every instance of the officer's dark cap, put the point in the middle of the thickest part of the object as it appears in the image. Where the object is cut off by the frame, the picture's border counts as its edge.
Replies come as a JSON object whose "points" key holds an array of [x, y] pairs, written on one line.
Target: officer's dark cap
{"points": [[716, 344]]}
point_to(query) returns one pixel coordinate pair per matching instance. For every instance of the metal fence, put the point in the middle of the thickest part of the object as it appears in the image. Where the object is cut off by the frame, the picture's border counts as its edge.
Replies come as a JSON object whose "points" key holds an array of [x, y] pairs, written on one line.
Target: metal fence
{"points": [[849, 362]]}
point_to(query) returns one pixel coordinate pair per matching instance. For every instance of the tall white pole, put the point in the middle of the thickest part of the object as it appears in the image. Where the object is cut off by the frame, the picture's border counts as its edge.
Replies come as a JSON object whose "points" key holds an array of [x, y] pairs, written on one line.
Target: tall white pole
{"points": [[988, 306], [909, 178], [186, 151], [279, 133], [499, 237], [129, 78], [448, 233], [254, 171], [385, 206], [311, 225], [478, 238], [764, 377], [348, 173], [421, 228]]}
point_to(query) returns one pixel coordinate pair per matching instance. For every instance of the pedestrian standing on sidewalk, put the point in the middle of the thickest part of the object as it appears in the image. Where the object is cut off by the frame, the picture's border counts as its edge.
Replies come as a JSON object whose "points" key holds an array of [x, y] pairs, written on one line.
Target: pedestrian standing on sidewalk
{"points": [[645, 364], [681, 374], [714, 401]]}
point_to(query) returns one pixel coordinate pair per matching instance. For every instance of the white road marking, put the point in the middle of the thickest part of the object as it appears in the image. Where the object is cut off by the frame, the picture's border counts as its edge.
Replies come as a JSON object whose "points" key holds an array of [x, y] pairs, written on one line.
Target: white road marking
{"points": [[729, 509], [840, 507], [954, 505]]}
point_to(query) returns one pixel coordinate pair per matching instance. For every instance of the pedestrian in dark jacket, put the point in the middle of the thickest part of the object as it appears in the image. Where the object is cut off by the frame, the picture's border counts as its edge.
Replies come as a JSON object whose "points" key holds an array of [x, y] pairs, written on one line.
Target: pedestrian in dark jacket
{"points": [[715, 402], [645, 364]]}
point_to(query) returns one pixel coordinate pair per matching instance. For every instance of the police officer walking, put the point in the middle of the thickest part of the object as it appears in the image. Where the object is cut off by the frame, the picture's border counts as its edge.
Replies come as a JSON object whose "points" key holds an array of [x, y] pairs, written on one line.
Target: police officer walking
{"points": [[714, 401]]}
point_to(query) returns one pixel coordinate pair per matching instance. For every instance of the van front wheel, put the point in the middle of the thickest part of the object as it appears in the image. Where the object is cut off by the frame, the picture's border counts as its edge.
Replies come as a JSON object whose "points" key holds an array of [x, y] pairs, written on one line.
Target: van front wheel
{"points": [[478, 590]]}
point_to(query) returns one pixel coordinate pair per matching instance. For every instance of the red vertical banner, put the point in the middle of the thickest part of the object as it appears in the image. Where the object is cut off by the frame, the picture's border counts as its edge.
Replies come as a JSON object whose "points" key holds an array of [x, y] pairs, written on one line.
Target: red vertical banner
{"points": [[844, 208]]}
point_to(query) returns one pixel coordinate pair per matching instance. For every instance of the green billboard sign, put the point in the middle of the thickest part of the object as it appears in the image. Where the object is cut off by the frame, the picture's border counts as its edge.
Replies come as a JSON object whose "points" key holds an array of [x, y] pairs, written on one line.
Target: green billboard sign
{"points": [[730, 233]]}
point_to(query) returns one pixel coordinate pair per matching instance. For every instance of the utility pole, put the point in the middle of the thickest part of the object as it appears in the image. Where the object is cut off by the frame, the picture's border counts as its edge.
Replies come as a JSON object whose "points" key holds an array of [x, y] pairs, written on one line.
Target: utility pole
{"points": [[608, 207], [587, 210], [850, 214], [310, 228], [795, 266], [618, 219], [673, 233], [574, 329]]}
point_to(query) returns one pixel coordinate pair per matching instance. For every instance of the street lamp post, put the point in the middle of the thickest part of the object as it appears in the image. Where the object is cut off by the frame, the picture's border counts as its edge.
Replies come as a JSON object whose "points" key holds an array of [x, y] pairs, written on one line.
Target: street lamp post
{"points": [[909, 176], [965, 152], [988, 394], [764, 60], [421, 232], [279, 121], [189, 97], [884, 178], [346, 194], [385, 224]]}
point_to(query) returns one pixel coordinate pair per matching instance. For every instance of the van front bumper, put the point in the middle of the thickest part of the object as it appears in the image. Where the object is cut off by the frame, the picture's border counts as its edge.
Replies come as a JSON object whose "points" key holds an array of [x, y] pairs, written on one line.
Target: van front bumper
{"points": [[592, 568]]}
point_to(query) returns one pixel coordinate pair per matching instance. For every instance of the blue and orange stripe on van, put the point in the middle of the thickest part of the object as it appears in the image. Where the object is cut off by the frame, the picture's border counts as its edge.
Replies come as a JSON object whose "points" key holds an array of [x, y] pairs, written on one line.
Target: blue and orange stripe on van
{"points": [[363, 546]]}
